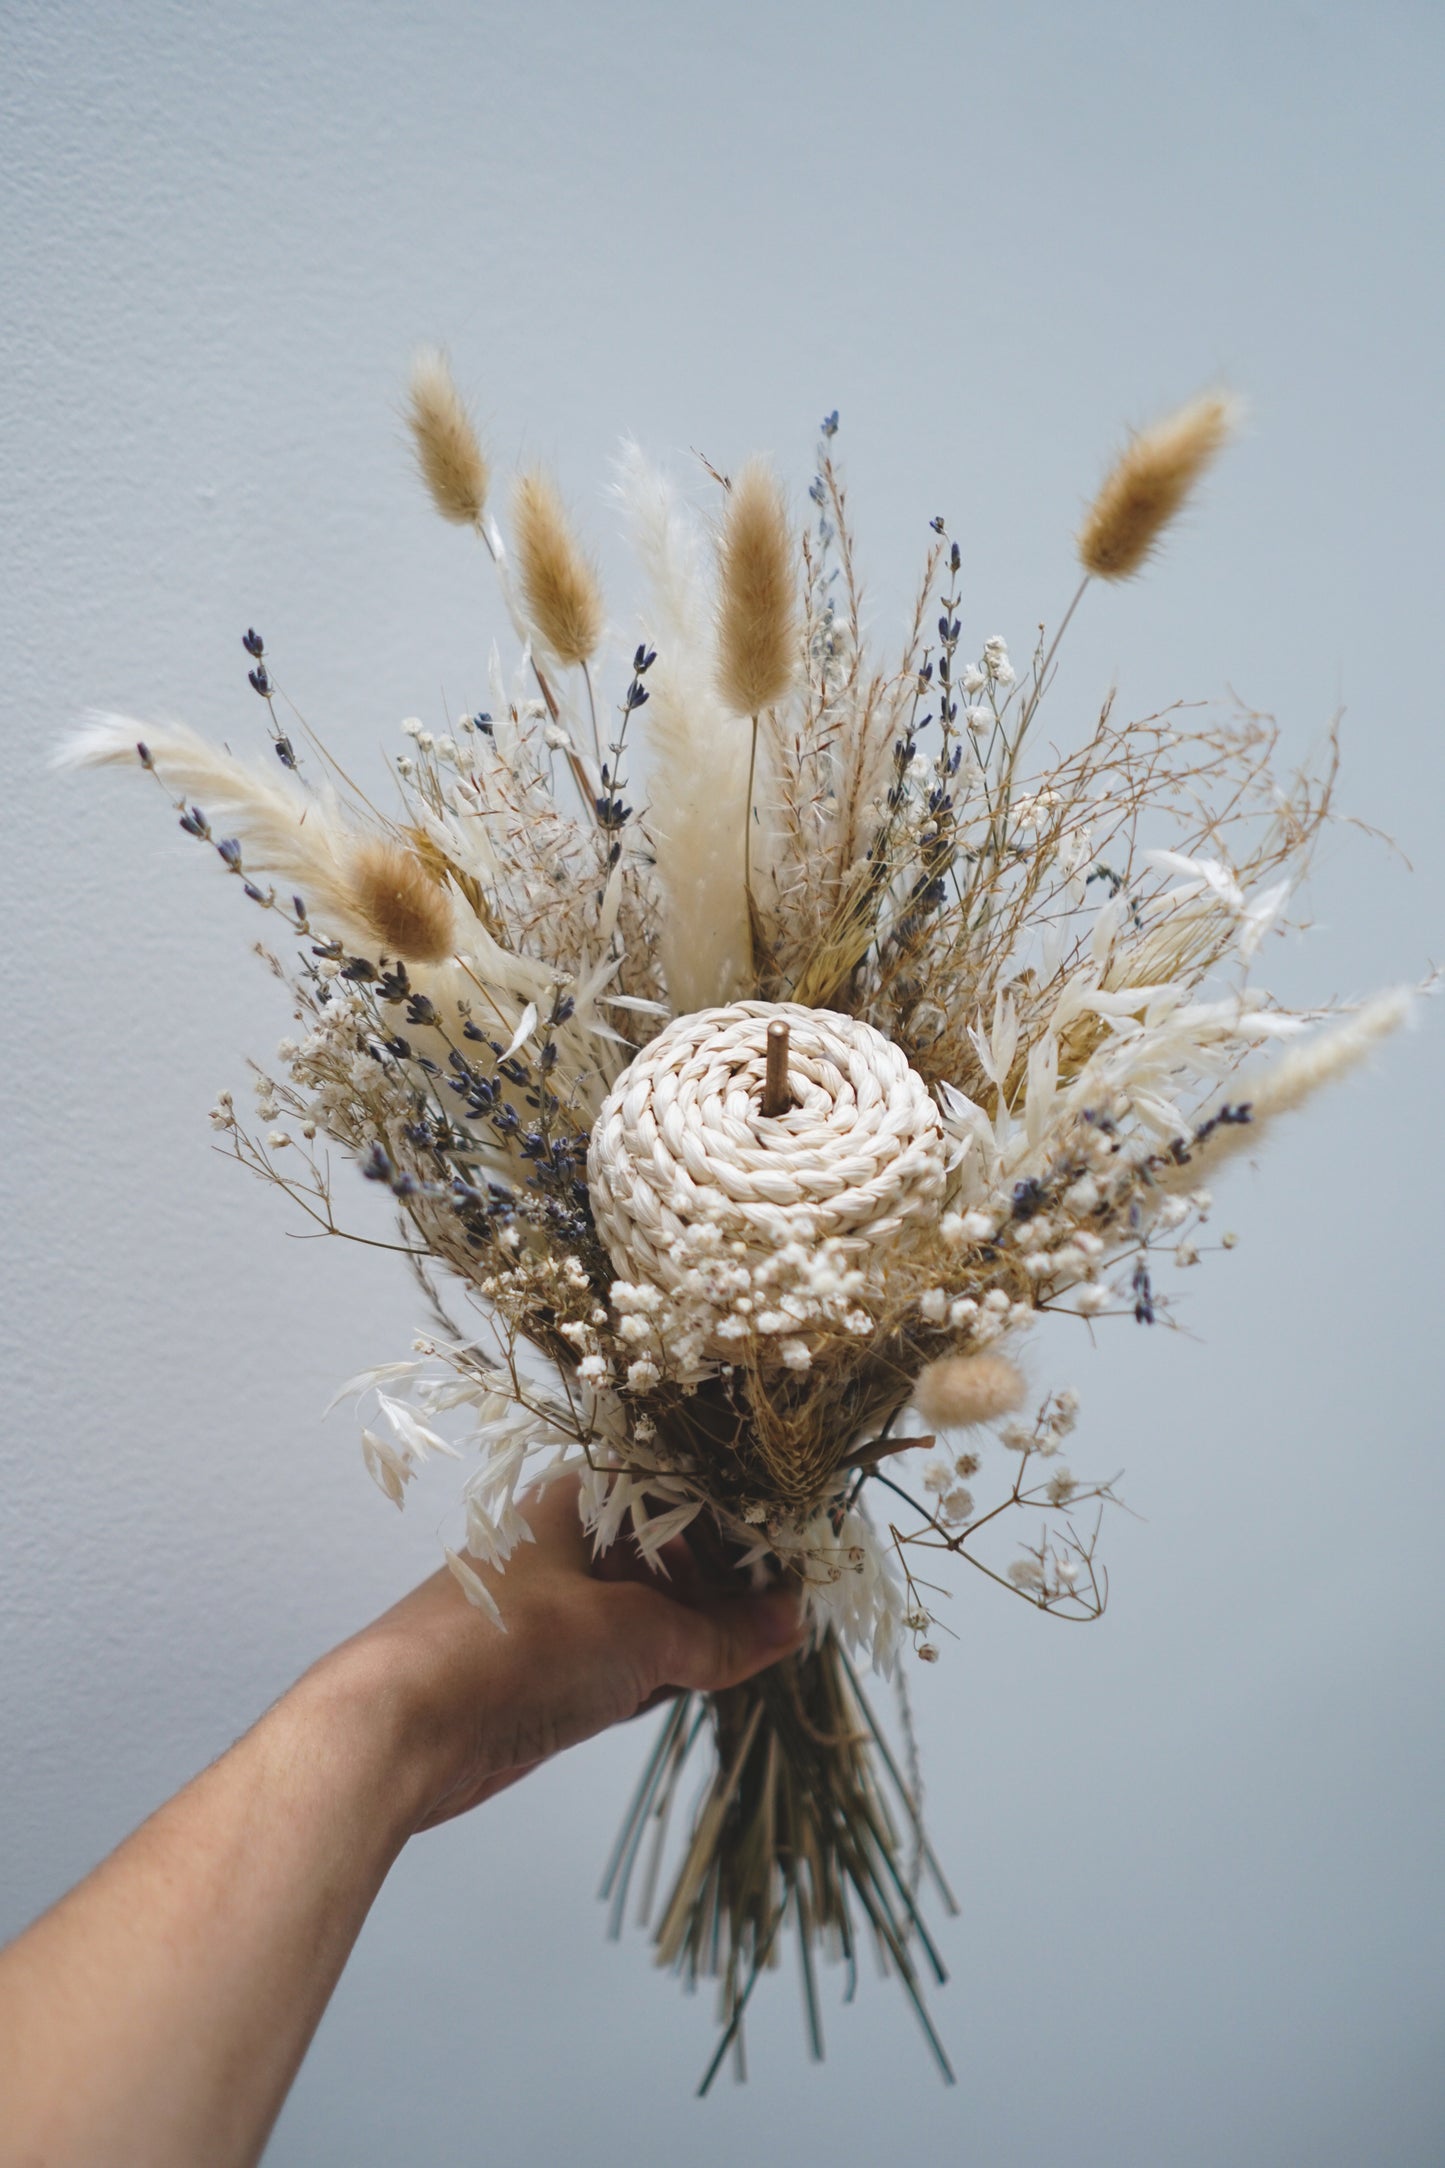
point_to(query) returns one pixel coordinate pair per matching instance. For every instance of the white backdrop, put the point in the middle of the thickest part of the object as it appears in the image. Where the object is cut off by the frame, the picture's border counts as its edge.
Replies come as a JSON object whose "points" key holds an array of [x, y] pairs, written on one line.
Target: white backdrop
{"points": [[1200, 1844]]}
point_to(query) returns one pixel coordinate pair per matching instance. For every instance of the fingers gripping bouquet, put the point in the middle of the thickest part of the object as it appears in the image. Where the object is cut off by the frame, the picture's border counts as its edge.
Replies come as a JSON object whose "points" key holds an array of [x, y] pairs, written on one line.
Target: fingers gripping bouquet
{"points": [[739, 1132]]}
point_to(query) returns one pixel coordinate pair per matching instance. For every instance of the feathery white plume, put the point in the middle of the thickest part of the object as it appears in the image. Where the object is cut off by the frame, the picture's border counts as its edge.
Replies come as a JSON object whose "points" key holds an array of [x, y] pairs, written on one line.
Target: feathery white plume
{"points": [[1294, 1078], [297, 838], [698, 776]]}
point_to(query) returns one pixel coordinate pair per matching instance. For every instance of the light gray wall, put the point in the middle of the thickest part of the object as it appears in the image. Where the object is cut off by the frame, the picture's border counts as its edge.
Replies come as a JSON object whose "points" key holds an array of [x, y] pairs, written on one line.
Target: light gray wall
{"points": [[1200, 1844]]}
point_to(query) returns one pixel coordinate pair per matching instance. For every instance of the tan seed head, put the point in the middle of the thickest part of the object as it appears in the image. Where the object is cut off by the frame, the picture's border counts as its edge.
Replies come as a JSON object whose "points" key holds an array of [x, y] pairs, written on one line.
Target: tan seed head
{"points": [[447, 451], [1149, 483], [559, 587], [961, 1390], [757, 624], [405, 906]]}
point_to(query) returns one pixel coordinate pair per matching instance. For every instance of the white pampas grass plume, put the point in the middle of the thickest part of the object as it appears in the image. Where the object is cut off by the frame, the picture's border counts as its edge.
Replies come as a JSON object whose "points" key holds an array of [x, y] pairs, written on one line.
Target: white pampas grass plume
{"points": [[959, 1391], [402, 901], [559, 587], [1149, 483], [1290, 1081], [698, 771], [354, 885], [757, 619], [448, 454], [1332, 1054]]}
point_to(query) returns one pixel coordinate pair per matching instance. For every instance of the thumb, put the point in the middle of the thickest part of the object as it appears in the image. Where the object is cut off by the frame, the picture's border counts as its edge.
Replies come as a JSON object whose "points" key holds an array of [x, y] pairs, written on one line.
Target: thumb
{"points": [[724, 1641]]}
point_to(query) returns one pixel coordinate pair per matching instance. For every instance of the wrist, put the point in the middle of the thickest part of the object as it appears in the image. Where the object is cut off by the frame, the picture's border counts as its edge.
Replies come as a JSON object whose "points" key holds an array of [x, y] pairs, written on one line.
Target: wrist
{"points": [[360, 1712]]}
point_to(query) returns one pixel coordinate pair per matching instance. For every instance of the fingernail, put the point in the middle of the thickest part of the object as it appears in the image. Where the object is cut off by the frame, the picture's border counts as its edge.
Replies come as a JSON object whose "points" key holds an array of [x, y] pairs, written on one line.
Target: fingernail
{"points": [[779, 1618]]}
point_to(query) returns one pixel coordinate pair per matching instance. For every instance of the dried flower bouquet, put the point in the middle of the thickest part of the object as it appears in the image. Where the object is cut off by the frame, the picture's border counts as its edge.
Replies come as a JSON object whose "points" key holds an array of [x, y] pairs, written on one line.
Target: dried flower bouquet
{"points": [[739, 1112]]}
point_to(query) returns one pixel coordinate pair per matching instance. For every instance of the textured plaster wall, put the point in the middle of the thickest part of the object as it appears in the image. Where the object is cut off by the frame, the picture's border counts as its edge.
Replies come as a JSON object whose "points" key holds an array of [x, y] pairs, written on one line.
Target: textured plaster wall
{"points": [[1199, 1845]]}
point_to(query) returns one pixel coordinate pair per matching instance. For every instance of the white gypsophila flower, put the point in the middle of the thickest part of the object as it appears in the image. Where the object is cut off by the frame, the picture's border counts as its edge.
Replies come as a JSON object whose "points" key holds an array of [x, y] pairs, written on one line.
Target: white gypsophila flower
{"points": [[626, 1296], [974, 680], [996, 662]]}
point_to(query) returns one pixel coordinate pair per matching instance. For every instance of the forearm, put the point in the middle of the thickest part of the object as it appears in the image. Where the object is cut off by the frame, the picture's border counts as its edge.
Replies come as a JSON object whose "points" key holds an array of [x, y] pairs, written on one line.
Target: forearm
{"points": [[159, 2013], [156, 2017]]}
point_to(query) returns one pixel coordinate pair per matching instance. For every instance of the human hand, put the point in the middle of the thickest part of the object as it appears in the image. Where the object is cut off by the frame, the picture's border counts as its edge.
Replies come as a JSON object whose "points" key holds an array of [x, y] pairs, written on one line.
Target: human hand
{"points": [[586, 1645], [159, 2012]]}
